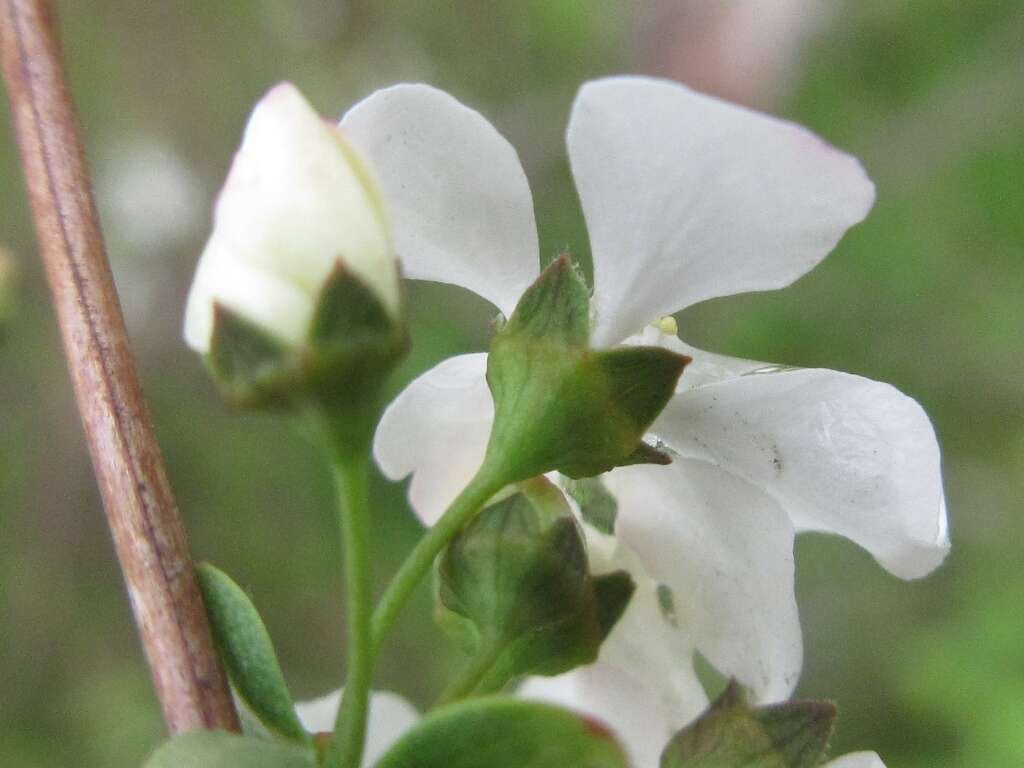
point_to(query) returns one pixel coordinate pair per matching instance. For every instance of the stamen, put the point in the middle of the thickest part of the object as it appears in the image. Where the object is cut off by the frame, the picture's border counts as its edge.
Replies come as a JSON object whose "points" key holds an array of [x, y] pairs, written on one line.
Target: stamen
{"points": [[667, 325]]}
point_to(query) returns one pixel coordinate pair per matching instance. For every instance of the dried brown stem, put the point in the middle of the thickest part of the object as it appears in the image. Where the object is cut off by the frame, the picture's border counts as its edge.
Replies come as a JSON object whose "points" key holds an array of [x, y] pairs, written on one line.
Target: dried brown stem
{"points": [[147, 529]]}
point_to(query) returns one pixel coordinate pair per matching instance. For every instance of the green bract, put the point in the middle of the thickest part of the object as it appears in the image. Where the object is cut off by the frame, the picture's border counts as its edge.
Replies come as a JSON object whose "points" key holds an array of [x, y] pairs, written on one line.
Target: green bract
{"points": [[731, 733], [352, 344], [501, 732], [560, 405], [515, 585]]}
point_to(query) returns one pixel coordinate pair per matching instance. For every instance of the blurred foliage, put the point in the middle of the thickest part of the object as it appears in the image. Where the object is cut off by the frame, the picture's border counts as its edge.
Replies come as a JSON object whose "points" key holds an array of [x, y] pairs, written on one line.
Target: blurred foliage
{"points": [[926, 294]]}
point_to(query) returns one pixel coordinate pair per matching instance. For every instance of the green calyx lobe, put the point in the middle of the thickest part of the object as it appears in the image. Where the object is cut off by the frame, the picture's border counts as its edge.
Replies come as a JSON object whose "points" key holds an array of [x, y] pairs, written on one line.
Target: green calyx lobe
{"points": [[515, 588], [560, 405], [733, 734], [353, 342]]}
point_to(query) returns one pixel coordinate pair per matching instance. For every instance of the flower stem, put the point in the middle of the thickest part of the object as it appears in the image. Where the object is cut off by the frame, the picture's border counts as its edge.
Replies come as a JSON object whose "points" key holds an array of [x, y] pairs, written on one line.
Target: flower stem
{"points": [[482, 487], [351, 476], [471, 675]]}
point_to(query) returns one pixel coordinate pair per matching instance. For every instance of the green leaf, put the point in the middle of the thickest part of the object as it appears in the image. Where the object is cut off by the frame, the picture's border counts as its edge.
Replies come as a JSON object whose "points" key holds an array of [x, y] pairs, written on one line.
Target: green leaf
{"points": [[518, 576], [503, 732], [248, 654], [732, 734], [217, 749], [561, 406]]}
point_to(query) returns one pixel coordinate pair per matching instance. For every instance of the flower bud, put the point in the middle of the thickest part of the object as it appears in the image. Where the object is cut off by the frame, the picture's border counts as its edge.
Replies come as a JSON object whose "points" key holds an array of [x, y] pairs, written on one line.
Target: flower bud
{"points": [[514, 587], [298, 214]]}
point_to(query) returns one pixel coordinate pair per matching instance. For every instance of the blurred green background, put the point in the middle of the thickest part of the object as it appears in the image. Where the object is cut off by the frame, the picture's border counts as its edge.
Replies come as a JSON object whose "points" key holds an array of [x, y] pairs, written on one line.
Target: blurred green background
{"points": [[927, 294]]}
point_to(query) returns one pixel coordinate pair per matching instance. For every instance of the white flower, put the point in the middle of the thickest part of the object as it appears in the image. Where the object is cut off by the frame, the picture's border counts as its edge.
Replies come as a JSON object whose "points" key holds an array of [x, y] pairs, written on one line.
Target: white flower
{"points": [[686, 198], [856, 760], [297, 201], [643, 683], [388, 718]]}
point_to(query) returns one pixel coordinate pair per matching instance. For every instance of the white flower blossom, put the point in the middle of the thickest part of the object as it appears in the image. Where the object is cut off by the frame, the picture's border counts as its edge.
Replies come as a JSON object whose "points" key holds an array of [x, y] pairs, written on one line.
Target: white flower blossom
{"points": [[389, 717], [686, 198], [297, 201]]}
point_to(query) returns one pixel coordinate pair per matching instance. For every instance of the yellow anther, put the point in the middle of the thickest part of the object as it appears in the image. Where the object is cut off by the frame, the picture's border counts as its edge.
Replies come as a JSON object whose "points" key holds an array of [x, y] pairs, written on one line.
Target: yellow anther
{"points": [[667, 325]]}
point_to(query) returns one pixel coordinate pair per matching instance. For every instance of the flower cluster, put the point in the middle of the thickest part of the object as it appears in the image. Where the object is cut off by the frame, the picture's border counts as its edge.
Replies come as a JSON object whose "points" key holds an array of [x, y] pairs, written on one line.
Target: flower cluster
{"points": [[686, 198]]}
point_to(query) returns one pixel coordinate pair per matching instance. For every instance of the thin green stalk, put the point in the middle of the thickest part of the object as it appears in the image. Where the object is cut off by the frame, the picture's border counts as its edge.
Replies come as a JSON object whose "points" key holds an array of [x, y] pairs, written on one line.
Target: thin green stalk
{"points": [[351, 475], [482, 487], [472, 675]]}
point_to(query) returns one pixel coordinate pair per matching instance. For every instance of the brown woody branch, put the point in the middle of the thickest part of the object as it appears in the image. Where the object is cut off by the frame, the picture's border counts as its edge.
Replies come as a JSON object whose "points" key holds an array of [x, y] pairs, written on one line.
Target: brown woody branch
{"points": [[143, 517]]}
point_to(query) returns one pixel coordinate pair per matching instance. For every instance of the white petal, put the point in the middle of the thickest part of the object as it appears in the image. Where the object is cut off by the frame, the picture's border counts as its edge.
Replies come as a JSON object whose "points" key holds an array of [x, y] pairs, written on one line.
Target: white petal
{"points": [[437, 430], [262, 297], [389, 717], [704, 367], [840, 453], [687, 197], [298, 199], [726, 551], [642, 685], [318, 715], [856, 760], [459, 200]]}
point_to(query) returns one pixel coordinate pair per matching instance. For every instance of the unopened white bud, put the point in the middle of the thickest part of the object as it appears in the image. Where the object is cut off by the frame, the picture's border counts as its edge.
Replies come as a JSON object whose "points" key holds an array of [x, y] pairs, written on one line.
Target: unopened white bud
{"points": [[298, 201]]}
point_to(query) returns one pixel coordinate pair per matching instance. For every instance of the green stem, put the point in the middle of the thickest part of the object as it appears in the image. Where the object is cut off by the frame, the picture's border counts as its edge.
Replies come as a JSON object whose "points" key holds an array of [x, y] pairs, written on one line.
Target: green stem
{"points": [[482, 487], [472, 675], [351, 475]]}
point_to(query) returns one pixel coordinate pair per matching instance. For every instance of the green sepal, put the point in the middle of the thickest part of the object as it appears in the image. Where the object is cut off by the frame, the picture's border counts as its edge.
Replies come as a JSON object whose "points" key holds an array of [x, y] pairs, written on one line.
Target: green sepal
{"points": [[732, 733], [504, 732], [218, 749], [249, 365], [612, 593], [555, 309], [562, 406], [598, 507], [353, 343], [248, 655], [516, 582]]}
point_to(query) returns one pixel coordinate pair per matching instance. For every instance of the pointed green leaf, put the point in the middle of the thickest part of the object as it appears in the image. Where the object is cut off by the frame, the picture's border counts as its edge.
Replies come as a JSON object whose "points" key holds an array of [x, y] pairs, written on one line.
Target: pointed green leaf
{"points": [[217, 749], [732, 734], [248, 654], [503, 732]]}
